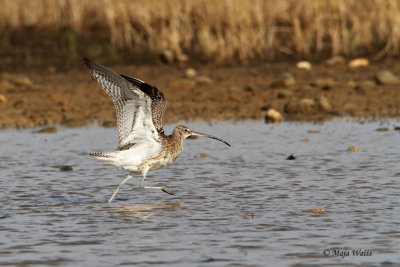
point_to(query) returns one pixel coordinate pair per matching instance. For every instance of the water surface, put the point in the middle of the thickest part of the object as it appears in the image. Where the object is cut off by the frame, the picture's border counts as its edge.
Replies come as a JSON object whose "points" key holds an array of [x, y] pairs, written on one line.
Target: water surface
{"points": [[241, 206]]}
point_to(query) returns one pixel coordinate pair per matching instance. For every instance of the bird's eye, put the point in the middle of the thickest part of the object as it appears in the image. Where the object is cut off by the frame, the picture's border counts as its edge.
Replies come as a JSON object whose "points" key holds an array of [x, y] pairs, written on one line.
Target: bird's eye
{"points": [[186, 130]]}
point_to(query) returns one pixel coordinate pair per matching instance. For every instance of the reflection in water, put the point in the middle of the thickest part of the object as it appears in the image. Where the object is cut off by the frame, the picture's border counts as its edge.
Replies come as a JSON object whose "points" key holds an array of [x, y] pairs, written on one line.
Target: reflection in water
{"points": [[143, 211], [243, 205]]}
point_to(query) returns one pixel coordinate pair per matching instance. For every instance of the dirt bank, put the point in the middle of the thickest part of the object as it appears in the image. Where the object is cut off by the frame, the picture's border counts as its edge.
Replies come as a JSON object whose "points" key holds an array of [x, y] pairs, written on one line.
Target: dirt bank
{"points": [[72, 98]]}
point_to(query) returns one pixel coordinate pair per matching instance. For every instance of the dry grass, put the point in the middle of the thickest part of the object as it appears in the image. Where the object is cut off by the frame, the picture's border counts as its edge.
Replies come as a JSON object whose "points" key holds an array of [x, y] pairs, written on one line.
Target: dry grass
{"points": [[222, 30]]}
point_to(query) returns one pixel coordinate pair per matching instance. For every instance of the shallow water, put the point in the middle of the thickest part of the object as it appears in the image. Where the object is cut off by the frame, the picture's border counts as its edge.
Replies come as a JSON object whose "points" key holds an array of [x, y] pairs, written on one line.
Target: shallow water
{"points": [[241, 206]]}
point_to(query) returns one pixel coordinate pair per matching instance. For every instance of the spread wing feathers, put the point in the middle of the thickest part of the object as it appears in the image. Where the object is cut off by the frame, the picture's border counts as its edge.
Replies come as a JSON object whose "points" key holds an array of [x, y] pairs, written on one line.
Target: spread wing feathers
{"points": [[158, 101], [133, 106]]}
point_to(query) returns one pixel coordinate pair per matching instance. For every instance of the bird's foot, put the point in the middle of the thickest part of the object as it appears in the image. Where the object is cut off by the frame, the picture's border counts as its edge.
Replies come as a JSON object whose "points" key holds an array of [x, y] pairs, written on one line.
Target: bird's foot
{"points": [[166, 190]]}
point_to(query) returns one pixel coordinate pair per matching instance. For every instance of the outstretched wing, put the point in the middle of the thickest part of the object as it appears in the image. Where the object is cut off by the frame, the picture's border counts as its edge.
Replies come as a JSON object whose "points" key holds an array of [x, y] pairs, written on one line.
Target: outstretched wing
{"points": [[158, 101], [133, 106]]}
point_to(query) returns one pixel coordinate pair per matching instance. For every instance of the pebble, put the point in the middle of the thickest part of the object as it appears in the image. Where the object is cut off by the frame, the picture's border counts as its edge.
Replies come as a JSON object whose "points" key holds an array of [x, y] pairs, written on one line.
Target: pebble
{"points": [[312, 131], [367, 84], [47, 130], [3, 98], [204, 80], [324, 83], [323, 104], [291, 157], [190, 73], [350, 84], [308, 106], [352, 149], [283, 81], [6, 85], [109, 124], [397, 128], [315, 210], [205, 155], [358, 62], [383, 129], [273, 116], [304, 65], [74, 122], [284, 94], [17, 79], [299, 106], [65, 168], [386, 77]]}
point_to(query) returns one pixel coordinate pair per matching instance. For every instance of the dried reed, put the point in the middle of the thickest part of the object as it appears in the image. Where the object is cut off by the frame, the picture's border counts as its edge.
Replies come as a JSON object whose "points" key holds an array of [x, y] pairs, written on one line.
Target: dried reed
{"points": [[223, 30]]}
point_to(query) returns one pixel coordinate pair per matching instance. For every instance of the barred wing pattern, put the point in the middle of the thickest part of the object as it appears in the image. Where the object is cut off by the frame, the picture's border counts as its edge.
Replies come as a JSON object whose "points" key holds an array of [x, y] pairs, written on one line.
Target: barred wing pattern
{"points": [[158, 101], [133, 106]]}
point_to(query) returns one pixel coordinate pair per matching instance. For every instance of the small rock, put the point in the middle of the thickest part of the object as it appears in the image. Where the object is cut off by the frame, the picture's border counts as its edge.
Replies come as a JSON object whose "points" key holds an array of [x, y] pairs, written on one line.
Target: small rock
{"points": [[305, 139], [48, 130], [6, 85], [383, 129], [285, 80], [396, 128], [273, 116], [284, 94], [323, 104], [205, 155], [65, 168], [336, 60], [386, 77], [190, 73], [300, 106], [312, 131], [315, 210], [304, 65], [352, 149], [324, 83], [367, 84], [358, 62], [3, 98], [350, 83], [291, 157], [204, 80], [17, 79], [182, 84], [109, 124], [74, 122]]}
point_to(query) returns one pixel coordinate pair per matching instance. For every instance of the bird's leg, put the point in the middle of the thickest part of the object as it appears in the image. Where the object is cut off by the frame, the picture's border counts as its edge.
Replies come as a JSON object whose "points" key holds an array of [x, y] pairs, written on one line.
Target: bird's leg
{"points": [[118, 187], [164, 189]]}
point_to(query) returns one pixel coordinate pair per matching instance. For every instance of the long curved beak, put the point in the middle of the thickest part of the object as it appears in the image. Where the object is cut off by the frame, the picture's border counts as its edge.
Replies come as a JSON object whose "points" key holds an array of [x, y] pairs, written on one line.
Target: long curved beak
{"points": [[210, 136]]}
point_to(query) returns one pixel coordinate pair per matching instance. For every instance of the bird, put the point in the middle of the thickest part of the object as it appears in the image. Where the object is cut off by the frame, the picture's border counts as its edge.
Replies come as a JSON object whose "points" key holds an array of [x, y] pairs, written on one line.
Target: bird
{"points": [[142, 143]]}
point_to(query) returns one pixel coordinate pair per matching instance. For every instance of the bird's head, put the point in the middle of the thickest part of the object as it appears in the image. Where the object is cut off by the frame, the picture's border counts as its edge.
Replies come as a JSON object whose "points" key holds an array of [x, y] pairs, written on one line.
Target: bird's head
{"points": [[185, 132]]}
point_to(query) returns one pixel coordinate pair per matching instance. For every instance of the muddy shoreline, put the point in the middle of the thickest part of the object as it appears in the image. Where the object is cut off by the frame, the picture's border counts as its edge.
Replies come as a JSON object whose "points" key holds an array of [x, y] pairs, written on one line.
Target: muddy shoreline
{"points": [[32, 98]]}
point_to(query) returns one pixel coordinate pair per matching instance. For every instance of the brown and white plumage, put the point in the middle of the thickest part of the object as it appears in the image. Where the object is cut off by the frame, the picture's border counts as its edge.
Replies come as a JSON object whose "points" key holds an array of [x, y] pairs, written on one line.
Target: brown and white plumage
{"points": [[140, 109]]}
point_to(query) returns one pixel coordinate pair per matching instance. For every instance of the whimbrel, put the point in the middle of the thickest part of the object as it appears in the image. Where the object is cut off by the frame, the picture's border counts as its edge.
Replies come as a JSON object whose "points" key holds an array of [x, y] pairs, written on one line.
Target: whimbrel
{"points": [[142, 144]]}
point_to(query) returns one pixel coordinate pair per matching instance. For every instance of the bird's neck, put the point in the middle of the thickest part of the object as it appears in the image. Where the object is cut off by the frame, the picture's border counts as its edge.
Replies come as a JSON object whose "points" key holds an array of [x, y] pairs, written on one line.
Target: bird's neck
{"points": [[175, 144]]}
